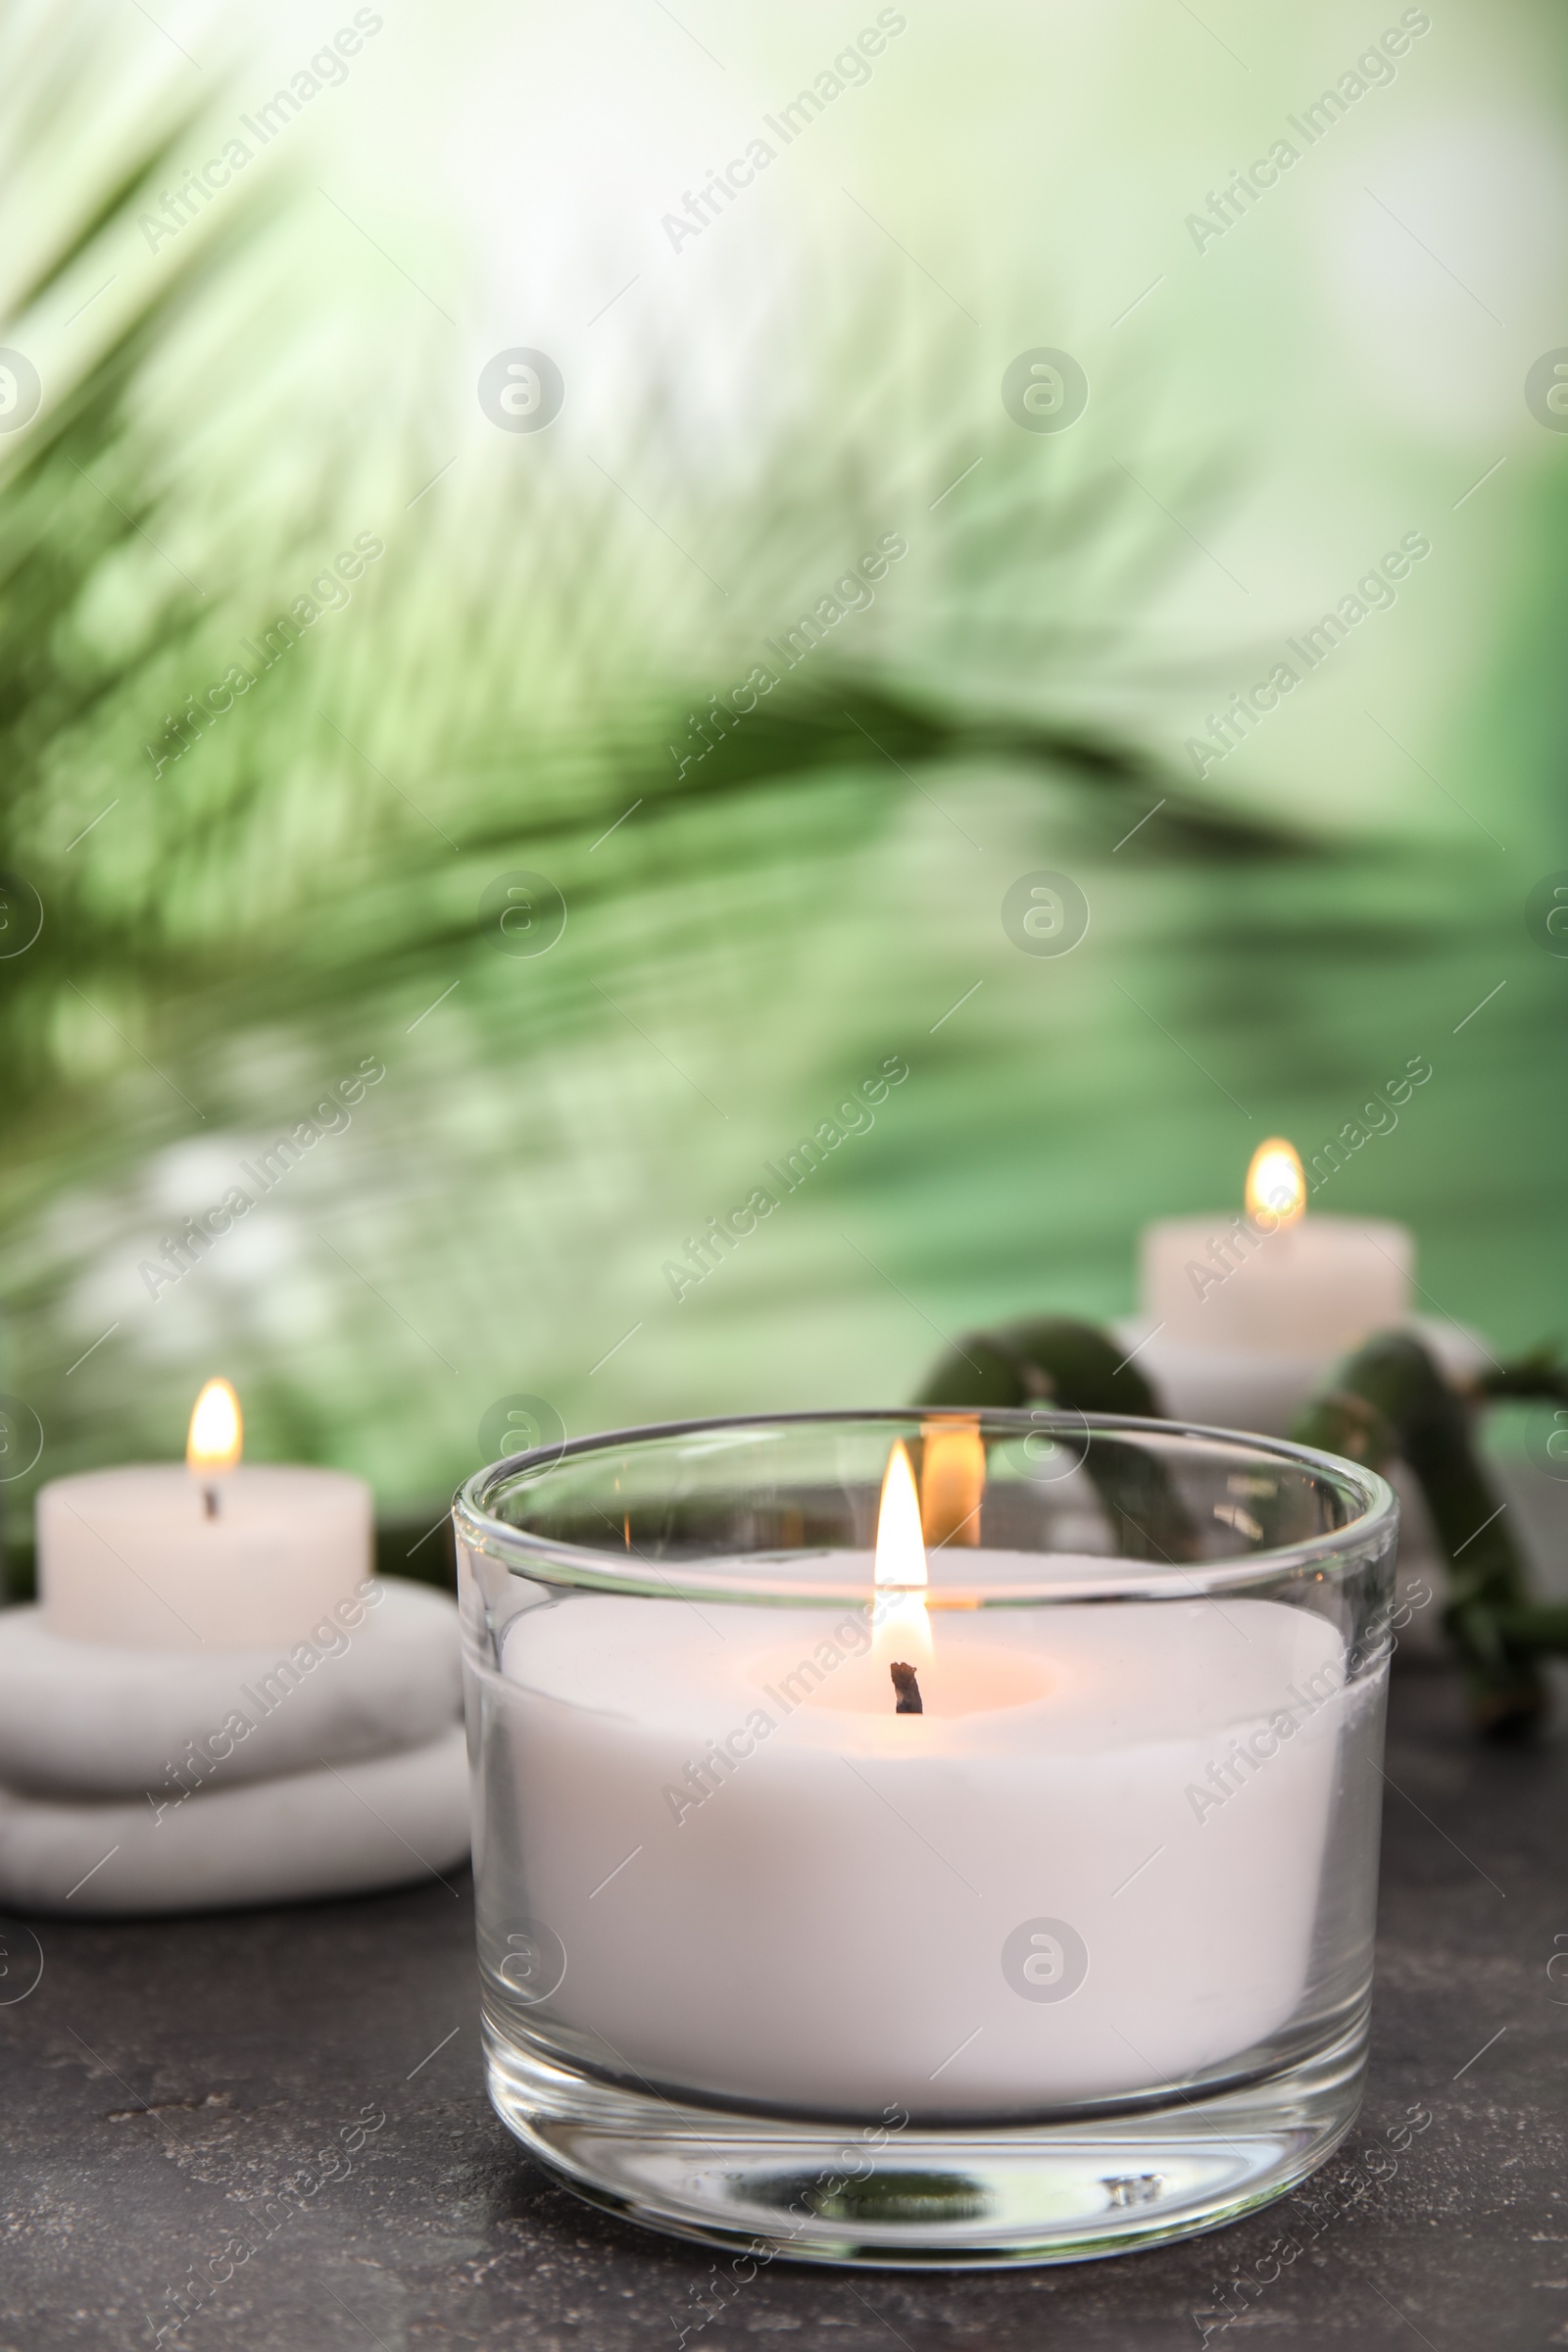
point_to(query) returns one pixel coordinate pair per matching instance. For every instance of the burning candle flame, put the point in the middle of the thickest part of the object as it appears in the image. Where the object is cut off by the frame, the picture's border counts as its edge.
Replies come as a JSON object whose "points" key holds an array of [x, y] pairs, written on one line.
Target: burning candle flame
{"points": [[1276, 1184], [901, 1621], [217, 1433], [953, 1481]]}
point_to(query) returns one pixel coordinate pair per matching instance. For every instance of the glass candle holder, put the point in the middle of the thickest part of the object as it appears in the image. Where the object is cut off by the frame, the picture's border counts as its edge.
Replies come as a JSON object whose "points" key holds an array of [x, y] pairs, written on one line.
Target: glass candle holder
{"points": [[1021, 1914]]}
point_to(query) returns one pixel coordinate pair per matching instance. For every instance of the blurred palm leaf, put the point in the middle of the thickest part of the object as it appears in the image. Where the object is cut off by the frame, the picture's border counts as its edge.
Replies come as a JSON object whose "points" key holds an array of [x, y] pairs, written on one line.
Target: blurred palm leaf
{"points": [[300, 890]]}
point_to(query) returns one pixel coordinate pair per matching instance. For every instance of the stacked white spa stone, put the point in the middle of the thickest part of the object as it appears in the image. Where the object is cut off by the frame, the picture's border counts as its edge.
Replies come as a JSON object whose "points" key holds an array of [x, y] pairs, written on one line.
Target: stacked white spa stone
{"points": [[207, 1710]]}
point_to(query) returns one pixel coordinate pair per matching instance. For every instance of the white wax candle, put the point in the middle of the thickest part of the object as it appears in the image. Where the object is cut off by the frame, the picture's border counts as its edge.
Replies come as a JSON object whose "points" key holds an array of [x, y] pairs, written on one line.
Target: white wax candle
{"points": [[1310, 1289], [843, 1919], [133, 1558]]}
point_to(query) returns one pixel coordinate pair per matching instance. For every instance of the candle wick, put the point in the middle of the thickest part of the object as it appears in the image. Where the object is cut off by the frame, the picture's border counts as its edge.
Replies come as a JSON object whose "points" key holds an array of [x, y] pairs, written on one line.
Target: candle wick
{"points": [[210, 1497], [910, 1701]]}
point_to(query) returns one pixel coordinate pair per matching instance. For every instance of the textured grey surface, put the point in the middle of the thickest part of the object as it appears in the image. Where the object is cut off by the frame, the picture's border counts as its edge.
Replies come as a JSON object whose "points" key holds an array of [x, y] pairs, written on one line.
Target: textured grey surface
{"points": [[166, 2081]]}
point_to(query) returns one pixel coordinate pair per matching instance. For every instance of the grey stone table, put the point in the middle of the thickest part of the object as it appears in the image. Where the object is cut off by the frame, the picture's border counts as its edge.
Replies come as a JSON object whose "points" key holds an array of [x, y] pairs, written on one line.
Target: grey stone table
{"points": [[170, 2089]]}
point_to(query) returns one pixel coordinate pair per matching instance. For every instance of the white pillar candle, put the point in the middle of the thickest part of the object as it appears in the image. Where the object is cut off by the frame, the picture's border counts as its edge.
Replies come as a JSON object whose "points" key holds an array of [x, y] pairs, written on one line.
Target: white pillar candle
{"points": [[1315, 1287], [209, 1557], [1272, 1277], [768, 1885], [130, 1558], [1243, 1312]]}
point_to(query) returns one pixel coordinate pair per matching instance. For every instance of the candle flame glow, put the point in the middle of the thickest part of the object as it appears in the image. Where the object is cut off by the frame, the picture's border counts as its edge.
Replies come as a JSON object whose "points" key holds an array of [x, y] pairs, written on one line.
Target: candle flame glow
{"points": [[217, 1431], [901, 1621], [953, 1481], [1276, 1184]]}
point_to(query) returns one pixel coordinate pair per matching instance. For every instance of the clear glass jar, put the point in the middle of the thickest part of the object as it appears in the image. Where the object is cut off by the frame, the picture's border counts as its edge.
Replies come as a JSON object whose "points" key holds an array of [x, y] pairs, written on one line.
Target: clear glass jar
{"points": [[1075, 1958]]}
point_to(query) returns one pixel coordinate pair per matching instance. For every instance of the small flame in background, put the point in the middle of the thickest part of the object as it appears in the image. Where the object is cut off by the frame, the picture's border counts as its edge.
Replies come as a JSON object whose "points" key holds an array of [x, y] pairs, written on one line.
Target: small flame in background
{"points": [[1276, 1182], [217, 1437], [901, 1621]]}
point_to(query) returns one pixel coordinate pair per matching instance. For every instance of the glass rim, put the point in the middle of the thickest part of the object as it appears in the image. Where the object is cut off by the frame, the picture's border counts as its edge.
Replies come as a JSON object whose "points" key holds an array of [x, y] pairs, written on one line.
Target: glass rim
{"points": [[587, 1568]]}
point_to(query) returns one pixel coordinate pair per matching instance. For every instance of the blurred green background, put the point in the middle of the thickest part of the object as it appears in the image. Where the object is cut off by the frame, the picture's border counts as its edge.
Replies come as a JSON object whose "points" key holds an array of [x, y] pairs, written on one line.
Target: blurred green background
{"points": [[230, 403]]}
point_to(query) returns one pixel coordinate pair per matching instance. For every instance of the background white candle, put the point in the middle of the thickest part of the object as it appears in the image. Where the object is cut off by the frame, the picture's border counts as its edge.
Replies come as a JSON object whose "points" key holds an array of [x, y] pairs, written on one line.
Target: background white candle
{"points": [[208, 1557], [827, 1927], [131, 1558], [1272, 1276], [1315, 1287], [1242, 1314]]}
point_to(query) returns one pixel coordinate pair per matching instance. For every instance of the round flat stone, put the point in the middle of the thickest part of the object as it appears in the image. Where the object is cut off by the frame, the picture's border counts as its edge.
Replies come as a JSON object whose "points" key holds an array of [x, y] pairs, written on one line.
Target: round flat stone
{"points": [[78, 1719], [349, 1829]]}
